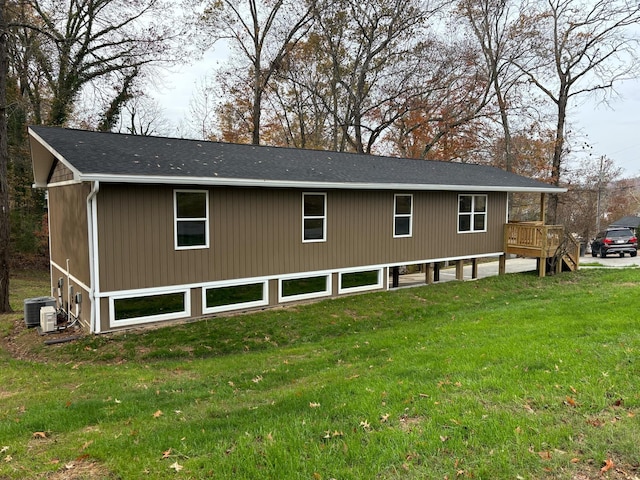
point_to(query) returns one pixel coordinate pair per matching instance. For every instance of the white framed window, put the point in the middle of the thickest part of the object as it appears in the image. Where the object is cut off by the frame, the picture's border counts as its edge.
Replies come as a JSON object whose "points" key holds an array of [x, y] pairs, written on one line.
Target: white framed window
{"points": [[402, 215], [360, 280], [472, 213], [151, 306], [314, 217], [191, 219], [234, 296], [303, 287]]}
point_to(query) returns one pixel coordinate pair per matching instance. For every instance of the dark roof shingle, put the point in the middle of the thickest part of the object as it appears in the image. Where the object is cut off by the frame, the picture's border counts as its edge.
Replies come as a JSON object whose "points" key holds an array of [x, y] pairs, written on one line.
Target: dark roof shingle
{"points": [[131, 158]]}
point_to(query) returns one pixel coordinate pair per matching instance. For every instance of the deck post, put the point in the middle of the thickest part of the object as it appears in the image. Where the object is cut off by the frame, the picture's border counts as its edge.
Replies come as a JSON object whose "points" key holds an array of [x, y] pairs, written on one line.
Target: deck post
{"points": [[543, 208], [436, 272], [502, 264], [474, 268], [460, 270], [395, 277], [428, 273], [542, 266]]}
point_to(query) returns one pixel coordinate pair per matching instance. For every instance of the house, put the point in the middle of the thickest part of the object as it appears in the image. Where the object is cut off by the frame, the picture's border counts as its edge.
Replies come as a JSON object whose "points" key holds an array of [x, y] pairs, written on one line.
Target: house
{"points": [[631, 222], [148, 229]]}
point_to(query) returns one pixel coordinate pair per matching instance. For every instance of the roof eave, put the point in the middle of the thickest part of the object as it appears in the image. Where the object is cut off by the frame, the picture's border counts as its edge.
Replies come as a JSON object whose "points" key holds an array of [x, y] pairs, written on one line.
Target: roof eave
{"points": [[250, 182]]}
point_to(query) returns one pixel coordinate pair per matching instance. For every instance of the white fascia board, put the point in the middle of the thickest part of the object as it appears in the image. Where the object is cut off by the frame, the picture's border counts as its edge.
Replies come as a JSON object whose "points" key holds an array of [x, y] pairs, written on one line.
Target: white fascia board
{"points": [[52, 151], [249, 182]]}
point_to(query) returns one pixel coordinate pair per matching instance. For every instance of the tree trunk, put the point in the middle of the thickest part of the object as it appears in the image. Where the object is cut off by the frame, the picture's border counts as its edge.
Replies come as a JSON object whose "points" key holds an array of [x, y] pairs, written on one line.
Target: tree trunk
{"points": [[4, 160], [552, 208]]}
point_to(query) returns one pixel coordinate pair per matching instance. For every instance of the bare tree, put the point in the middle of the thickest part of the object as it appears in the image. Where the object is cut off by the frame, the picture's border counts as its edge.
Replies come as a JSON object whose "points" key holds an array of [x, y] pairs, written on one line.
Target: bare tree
{"points": [[573, 48], [491, 22], [85, 40], [262, 33]]}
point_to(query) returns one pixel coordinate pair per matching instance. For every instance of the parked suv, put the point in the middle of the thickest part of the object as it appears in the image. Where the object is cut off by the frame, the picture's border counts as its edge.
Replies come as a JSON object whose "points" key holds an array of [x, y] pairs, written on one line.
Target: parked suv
{"points": [[615, 240]]}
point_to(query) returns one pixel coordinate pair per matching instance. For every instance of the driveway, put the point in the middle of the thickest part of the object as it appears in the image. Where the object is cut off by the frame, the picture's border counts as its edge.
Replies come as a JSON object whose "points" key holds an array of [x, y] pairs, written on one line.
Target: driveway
{"points": [[517, 265]]}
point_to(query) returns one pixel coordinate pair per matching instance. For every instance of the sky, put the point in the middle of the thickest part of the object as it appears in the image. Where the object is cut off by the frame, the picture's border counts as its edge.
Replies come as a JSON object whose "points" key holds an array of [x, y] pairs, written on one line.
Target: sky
{"points": [[611, 130]]}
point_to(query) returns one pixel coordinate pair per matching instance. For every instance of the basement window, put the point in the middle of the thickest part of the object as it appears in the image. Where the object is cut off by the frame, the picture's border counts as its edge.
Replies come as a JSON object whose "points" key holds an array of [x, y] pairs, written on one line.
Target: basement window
{"points": [[301, 288], [235, 297], [191, 213], [472, 213], [153, 307], [361, 281]]}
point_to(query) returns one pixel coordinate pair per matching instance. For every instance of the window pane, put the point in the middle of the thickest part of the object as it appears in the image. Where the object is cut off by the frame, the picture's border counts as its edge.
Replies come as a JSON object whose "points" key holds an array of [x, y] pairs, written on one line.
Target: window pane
{"points": [[314, 205], [480, 204], [191, 233], [478, 221], [465, 204], [402, 225], [300, 286], [217, 297], [403, 204], [359, 279], [464, 223], [126, 308], [191, 204], [313, 229]]}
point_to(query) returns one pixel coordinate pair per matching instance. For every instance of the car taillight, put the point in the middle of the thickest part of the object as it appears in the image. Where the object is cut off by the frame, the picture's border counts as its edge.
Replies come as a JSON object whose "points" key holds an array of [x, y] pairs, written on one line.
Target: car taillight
{"points": [[633, 240], [607, 241]]}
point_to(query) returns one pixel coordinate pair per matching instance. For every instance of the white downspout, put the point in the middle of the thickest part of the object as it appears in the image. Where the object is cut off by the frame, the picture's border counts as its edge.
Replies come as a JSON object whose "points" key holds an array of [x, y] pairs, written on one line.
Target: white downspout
{"points": [[94, 272]]}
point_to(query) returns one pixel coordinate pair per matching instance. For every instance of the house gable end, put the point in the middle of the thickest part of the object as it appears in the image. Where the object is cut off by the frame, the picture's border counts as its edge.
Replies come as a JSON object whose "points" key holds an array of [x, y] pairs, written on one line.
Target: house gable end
{"points": [[59, 173]]}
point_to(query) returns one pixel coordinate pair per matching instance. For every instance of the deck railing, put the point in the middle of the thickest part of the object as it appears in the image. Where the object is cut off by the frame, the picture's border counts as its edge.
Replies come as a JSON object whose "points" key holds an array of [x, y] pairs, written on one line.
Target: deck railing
{"points": [[533, 239]]}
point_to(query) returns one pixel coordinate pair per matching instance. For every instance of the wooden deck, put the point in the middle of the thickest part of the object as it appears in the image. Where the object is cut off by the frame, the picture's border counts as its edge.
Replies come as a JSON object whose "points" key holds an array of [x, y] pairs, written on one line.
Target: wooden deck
{"points": [[554, 250]]}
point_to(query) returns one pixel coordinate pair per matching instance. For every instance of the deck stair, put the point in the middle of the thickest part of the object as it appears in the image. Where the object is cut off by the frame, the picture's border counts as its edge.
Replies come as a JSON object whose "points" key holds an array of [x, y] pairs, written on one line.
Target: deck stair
{"points": [[555, 250]]}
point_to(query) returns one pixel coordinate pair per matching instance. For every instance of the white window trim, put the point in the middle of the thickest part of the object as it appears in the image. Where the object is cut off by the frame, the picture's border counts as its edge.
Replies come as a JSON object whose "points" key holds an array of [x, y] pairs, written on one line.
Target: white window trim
{"points": [[402, 215], [113, 323], [235, 306], [305, 296], [473, 212], [363, 288], [175, 220], [313, 217]]}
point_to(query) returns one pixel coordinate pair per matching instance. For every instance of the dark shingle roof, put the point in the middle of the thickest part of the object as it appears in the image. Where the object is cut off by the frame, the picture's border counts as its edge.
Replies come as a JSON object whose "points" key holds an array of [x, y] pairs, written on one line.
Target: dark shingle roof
{"points": [[131, 158], [630, 221]]}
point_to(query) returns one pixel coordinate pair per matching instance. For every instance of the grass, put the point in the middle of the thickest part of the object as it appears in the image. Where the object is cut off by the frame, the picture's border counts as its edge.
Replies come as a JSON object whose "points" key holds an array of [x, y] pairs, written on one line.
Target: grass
{"points": [[502, 378]]}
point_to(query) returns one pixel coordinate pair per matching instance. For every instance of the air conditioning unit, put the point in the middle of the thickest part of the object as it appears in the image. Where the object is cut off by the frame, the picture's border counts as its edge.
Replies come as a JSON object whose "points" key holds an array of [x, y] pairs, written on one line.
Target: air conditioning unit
{"points": [[48, 317], [32, 308]]}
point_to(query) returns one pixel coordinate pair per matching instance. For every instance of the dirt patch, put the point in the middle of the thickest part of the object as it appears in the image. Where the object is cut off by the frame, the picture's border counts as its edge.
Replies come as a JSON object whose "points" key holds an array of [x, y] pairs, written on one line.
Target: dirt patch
{"points": [[23, 343], [82, 469]]}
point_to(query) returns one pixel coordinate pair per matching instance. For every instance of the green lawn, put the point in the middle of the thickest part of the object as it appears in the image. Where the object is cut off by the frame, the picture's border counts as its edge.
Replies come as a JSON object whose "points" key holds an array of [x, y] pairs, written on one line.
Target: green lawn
{"points": [[511, 377]]}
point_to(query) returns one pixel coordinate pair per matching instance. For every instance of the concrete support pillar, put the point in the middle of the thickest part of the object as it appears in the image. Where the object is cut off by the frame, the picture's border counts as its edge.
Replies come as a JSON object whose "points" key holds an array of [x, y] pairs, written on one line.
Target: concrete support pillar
{"points": [[474, 268]]}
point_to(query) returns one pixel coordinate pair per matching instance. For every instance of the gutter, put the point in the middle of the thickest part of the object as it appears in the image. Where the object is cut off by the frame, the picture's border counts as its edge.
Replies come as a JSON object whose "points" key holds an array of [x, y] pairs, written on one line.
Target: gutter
{"points": [[94, 269]]}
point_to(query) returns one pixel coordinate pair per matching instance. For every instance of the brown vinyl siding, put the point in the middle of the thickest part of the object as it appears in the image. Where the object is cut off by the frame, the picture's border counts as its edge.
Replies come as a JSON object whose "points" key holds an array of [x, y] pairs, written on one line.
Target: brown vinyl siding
{"points": [[258, 232], [60, 173], [68, 229]]}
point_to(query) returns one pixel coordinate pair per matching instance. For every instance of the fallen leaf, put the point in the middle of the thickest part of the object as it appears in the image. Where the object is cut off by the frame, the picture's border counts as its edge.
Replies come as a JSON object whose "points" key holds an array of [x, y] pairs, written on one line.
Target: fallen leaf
{"points": [[546, 455], [384, 418], [365, 424], [176, 466], [257, 379], [8, 458], [86, 445], [443, 438], [158, 414], [39, 435], [4, 449], [575, 460], [571, 401], [573, 389], [608, 464], [166, 453], [314, 405]]}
